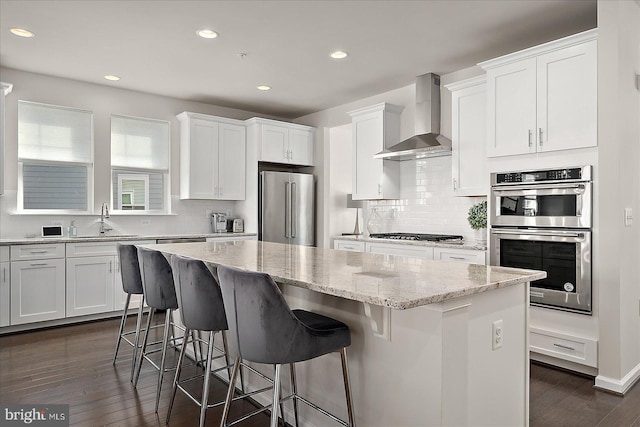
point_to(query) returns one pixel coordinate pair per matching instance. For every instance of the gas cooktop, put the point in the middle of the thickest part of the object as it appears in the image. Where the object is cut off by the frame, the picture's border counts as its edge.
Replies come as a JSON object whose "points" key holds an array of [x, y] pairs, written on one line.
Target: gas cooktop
{"points": [[417, 236]]}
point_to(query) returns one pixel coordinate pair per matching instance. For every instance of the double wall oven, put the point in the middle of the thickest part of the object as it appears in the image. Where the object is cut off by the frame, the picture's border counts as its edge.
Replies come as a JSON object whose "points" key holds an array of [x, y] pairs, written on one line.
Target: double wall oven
{"points": [[542, 220]]}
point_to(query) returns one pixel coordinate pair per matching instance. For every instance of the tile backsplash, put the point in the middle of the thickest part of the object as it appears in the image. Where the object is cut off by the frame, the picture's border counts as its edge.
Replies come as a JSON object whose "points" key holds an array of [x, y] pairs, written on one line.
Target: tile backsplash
{"points": [[427, 203]]}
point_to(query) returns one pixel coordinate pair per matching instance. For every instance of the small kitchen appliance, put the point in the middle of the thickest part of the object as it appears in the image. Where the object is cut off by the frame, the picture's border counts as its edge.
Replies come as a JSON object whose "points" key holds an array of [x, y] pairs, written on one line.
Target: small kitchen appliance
{"points": [[238, 225], [218, 222]]}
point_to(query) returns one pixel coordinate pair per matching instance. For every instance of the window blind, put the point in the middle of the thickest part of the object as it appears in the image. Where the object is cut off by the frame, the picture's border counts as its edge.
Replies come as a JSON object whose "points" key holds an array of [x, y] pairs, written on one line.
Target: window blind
{"points": [[139, 143], [54, 187]]}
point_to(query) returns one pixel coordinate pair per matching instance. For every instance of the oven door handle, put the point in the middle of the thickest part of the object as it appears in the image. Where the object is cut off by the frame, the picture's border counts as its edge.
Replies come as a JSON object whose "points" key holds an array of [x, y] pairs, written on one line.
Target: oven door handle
{"points": [[557, 189], [558, 233]]}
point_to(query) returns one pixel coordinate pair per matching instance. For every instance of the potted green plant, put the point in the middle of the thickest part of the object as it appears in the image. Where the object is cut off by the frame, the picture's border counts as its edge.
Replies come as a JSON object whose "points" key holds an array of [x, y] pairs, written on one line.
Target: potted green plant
{"points": [[478, 221]]}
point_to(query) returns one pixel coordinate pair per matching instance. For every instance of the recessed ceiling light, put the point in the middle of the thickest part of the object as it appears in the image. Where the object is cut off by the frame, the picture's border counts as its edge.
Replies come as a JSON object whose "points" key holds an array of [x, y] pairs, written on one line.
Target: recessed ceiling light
{"points": [[339, 54], [112, 77], [207, 34], [264, 87], [21, 32]]}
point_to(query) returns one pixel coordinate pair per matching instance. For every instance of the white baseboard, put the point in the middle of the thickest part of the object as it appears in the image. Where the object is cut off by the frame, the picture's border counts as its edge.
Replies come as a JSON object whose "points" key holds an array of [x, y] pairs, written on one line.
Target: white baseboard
{"points": [[619, 386]]}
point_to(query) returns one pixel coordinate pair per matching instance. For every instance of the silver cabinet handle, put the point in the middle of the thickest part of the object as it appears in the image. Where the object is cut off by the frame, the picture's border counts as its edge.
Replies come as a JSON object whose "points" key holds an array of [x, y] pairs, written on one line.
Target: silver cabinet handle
{"points": [[117, 266], [38, 264], [220, 191], [566, 347], [38, 252], [457, 257], [379, 188], [4, 275], [110, 266], [540, 135], [347, 247], [530, 144], [455, 183]]}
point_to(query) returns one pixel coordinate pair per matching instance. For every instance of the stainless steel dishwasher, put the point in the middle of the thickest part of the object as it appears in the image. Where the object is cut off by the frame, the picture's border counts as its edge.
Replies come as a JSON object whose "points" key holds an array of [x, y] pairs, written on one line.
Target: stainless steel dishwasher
{"points": [[181, 240]]}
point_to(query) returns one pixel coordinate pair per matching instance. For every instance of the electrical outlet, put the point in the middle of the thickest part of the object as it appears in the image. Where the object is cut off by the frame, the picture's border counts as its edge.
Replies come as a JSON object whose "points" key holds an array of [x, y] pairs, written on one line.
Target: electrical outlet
{"points": [[497, 335], [628, 217], [145, 222]]}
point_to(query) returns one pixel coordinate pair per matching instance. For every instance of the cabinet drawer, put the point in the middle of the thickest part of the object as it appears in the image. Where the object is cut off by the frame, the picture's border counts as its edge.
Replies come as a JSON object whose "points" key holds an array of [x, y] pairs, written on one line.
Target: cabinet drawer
{"points": [[4, 253], [43, 251], [400, 250], [91, 249], [575, 349], [348, 245], [460, 255]]}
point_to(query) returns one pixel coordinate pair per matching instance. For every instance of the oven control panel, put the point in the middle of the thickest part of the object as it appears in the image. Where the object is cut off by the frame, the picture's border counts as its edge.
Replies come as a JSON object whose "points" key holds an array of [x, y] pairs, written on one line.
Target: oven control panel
{"points": [[566, 174]]}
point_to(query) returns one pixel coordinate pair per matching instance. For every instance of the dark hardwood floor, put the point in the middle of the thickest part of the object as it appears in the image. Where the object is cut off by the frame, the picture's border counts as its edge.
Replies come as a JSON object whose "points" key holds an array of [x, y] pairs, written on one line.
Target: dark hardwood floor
{"points": [[72, 365]]}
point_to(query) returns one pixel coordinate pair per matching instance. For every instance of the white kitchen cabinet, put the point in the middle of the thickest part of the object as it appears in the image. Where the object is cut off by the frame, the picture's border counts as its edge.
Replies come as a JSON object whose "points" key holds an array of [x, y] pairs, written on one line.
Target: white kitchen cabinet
{"points": [[543, 98], [212, 157], [37, 290], [573, 348], [469, 256], [424, 252], [5, 89], [90, 285], [348, 245], [281, 142], [374, 129], [5, 283], [470, 176]]}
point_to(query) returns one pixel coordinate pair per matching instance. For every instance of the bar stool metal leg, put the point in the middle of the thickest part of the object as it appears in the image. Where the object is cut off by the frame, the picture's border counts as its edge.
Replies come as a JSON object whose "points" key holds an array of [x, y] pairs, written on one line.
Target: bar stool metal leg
{"points": [[294, 389], [276, 397], [207, 377], [136, 345], [168, 320], [144, 346], [347, 386], [176, 378], [122, 323], [230, 391]]}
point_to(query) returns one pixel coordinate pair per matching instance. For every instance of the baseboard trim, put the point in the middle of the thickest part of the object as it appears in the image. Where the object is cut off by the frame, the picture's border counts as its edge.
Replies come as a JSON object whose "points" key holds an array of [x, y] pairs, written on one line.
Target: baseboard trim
{"points": [[619, 386]]}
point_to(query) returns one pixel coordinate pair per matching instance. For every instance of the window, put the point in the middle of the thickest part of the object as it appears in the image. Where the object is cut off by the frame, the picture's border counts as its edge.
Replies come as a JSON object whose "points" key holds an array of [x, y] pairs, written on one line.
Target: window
{"points": [[55, 158], [139, 164]]}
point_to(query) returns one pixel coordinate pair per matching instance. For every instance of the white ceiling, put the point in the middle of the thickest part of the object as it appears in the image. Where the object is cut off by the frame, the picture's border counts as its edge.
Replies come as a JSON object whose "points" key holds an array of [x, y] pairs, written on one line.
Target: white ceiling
{"points": [[153, 47]]}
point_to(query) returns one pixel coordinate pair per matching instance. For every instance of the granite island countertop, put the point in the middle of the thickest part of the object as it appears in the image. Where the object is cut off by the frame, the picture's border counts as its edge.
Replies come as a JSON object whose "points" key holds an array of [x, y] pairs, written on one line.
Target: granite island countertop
{"points": [[383, 280], [116, 237]]}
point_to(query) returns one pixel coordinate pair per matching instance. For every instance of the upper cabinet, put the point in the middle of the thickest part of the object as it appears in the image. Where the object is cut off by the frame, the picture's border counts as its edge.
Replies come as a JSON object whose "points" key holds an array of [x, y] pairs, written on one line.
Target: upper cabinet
{"points": [[468, 134], [543, 98], [281, 142], [374, 129], [212, 157], [5, 89]]}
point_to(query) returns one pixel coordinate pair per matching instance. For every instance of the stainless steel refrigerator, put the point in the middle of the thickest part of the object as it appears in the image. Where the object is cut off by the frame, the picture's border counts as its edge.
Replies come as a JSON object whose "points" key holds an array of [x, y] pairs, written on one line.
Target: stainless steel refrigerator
{"points": [[286, 212]]}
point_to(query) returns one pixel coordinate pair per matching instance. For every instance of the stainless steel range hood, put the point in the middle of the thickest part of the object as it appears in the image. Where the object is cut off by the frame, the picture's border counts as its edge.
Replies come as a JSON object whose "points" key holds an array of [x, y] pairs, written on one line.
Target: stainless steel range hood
{"points": [[427, 142]]}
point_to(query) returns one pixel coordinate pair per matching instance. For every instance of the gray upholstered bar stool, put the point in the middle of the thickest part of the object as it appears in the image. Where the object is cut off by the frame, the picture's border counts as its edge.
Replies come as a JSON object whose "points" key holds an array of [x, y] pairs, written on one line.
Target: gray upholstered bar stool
{"points": [[159, 294], [266, 330], [131, 285], [201, 307]]}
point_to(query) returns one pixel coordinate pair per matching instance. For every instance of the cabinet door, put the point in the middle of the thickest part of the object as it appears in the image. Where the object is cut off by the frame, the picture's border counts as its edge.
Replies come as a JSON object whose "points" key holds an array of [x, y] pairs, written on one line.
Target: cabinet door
{"points": [[203, 152], [368, 139], [567, 98], [90, 285], [275, 144], [301, 147], [231, 161], [37, 291], [469, 159], [511, 109], [4, 294]]}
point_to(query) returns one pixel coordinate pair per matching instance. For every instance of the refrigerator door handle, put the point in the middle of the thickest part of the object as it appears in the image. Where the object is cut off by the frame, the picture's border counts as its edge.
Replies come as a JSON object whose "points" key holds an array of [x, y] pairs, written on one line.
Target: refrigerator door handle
{"points": [[294, 201], [287, 214]]}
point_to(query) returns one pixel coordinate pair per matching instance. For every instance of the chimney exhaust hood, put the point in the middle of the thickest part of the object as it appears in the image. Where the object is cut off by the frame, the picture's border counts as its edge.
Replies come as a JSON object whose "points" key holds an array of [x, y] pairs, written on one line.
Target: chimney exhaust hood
{"points": [[427, 142]]}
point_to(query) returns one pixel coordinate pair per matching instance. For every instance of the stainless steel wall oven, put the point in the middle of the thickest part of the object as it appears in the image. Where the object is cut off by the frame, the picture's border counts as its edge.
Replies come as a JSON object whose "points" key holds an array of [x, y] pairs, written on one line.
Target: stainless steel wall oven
{"points": [[542, 220]]}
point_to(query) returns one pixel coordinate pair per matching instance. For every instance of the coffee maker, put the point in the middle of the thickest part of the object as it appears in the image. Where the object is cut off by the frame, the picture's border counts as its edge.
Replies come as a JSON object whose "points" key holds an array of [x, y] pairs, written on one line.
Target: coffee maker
{"points": [[218, 222]]}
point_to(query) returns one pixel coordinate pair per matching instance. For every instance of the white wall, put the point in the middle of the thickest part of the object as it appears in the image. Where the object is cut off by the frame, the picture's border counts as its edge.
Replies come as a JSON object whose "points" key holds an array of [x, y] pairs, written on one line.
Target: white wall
{"points": [[103, 100], [341, 219], [619, 154]]}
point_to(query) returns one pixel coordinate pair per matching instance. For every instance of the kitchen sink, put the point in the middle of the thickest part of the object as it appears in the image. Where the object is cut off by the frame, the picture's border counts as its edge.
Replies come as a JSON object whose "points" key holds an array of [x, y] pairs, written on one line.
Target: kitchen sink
{"points": [[105, 236]]}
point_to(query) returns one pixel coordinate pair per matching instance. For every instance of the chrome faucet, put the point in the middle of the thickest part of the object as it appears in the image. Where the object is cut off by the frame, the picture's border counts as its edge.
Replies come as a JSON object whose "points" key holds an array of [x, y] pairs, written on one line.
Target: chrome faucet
{"points": [[104, 213]]}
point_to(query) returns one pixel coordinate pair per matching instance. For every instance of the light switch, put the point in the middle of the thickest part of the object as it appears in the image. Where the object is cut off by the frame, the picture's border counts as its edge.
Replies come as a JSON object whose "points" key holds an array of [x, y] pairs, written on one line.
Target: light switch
{"points": [[628, 217]]}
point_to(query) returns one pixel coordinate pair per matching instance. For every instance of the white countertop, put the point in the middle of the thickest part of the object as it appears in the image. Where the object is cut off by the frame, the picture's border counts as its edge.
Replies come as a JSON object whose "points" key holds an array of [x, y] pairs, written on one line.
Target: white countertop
{"points": [[462, 245], [383, 280], [115, 237]]}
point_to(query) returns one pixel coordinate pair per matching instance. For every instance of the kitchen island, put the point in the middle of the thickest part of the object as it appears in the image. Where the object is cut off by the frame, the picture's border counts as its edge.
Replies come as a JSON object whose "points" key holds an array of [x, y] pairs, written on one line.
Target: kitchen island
{"points": [[433, 343]]}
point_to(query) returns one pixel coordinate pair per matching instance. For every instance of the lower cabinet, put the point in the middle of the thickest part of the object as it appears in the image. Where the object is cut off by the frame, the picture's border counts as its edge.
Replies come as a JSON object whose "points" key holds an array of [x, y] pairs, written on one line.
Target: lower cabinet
{"points": [[230, 238], [348, 245], [4, 286], [90, 285], [37, 290]]}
